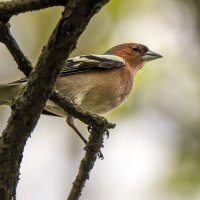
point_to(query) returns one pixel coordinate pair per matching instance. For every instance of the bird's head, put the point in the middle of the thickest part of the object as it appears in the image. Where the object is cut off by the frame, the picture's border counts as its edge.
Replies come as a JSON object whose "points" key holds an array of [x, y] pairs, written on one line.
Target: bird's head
{"points": [[135, 55]]}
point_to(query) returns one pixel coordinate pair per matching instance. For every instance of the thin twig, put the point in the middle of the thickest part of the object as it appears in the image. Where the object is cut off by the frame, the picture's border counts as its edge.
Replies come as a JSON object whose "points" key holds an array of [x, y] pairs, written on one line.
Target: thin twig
{"points": [[15, 7], [92, 152], [22, 61]]}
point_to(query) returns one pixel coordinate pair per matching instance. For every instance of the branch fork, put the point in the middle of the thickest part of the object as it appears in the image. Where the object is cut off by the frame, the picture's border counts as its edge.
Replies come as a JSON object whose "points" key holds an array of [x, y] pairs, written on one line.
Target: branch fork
{"points": [[39, 89]]}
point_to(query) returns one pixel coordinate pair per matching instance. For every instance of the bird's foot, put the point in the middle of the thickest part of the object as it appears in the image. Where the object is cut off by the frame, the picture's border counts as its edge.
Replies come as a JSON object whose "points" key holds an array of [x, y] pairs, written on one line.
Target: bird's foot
{"points": [[106, 132], [90, 149], [89, 129]]}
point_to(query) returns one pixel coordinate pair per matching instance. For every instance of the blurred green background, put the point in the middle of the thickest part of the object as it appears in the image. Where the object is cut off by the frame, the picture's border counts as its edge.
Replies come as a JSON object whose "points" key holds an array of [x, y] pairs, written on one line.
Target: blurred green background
{"points": [[154, 152]]}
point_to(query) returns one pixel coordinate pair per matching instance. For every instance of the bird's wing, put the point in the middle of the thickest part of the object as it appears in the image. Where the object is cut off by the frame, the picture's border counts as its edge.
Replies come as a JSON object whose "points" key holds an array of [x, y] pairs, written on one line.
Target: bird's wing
{"points": [[91, 62], [87, 63]]}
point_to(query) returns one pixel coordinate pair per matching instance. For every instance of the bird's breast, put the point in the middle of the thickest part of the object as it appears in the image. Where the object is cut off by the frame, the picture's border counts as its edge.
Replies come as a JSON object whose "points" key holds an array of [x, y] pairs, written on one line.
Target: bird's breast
{"points": [[107, 92], [97, 92]]}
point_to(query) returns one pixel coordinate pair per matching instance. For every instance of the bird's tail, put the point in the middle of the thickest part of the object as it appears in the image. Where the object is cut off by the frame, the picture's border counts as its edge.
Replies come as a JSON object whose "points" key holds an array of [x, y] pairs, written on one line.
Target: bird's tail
{"points": [[8, 92]]}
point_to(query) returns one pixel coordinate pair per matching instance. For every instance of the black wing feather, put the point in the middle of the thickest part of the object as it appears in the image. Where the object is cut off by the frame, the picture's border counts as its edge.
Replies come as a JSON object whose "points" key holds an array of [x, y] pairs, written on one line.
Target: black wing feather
{"points": [[90, 63], [87, 63]]}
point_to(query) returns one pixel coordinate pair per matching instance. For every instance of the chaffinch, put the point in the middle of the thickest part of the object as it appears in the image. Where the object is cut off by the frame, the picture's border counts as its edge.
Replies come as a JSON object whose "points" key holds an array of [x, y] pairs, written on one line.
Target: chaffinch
{"points": [[98, 83]]}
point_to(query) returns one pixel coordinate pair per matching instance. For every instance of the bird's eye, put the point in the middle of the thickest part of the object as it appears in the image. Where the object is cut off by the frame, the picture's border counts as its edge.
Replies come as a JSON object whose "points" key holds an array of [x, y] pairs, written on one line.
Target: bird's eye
{"points": [[136, 48]]}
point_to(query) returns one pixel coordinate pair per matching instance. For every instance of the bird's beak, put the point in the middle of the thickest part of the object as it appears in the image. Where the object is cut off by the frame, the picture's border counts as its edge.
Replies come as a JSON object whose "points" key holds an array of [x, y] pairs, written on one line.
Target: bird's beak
{"points": [[150, 55]]}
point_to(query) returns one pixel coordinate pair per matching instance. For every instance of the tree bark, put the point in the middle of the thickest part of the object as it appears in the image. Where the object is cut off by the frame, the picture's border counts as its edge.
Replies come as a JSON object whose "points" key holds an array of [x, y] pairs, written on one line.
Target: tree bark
{"points": [[32, 98]]}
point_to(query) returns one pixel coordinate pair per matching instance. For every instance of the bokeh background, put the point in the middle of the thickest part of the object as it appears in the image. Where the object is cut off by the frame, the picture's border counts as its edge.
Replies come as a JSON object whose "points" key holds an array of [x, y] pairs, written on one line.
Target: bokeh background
{"points": [[154, 152]]}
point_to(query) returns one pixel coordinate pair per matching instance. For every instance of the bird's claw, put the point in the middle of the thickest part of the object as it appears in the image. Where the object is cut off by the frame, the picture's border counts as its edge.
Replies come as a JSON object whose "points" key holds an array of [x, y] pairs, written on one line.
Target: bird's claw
{"points": [[107, 134], [87, 147], [89, 129], [99, 154]]}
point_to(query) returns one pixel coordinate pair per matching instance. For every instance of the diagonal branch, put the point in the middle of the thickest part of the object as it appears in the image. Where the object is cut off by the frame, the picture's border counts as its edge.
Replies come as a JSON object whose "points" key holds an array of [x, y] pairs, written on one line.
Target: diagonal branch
{"points": [[26, 67], [15, 7], [76, 111], [87, 163], [95, 140], [30, 102], [5, 37]]}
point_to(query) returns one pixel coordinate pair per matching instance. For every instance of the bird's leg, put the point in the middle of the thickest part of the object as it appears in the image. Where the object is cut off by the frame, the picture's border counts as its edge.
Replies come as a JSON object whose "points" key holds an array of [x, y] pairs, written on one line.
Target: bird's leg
{"points": [[70, 122]]}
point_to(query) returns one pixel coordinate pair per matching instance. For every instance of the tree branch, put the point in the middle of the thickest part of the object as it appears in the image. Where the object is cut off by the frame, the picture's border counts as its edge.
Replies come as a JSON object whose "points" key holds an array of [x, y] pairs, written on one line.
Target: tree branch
{"points": [[26, 67], [95, 140], [30, 102], [87, 163], [15, 7], [76, 111], [5, 37]]}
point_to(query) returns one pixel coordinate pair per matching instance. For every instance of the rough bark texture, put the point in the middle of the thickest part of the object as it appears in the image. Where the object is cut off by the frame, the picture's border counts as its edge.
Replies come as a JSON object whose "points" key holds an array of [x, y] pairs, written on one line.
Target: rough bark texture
{"points": [[15, 7], [30, 102], [5, 37]]}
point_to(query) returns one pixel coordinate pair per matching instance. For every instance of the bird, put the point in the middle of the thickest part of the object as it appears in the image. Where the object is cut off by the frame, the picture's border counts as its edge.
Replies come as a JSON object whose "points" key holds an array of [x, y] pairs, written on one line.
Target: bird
{"points": [[97, 82]]}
